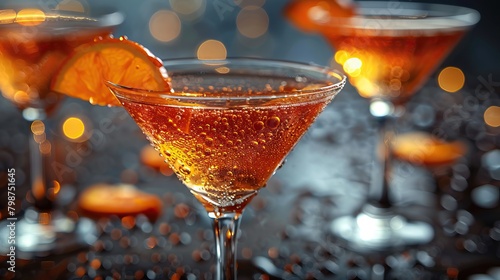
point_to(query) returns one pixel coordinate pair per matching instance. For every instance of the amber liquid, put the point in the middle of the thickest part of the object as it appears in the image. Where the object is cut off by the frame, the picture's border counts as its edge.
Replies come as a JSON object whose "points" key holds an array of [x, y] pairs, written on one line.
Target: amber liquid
{"points": [[224, 154], [390, 64], [31, 55]]}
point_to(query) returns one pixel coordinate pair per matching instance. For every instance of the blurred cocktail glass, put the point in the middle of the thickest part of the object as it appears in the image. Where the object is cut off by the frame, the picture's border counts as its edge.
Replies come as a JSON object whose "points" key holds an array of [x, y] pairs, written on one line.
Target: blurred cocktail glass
{"points": [[388, 51], [34, 43], [226, 127]]}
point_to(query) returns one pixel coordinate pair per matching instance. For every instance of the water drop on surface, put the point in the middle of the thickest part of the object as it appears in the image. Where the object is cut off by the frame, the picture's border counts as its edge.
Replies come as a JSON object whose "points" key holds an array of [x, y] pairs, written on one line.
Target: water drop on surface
{"points": [[258, 125], [185, 170], [273, 122], [209, 141]]}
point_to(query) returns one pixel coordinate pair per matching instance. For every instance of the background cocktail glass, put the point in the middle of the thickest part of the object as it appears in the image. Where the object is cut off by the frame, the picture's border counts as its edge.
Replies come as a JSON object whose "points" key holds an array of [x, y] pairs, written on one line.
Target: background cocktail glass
{"points": [[226, 127], [388, 51], [34, 43]]}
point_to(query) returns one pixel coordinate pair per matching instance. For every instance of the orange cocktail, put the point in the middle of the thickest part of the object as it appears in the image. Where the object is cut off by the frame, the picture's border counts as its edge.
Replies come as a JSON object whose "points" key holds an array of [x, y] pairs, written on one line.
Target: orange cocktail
{"points": [[224, 154], [389, 60], [223, 126], [33, 46], [388, 51]]}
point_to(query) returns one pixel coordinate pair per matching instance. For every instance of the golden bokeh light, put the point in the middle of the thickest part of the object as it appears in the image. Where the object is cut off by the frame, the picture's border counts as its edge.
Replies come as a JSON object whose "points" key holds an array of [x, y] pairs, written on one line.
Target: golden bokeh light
{"points": [[341, 56], [222, 70], [252, 22], [73, 128], [21, 97], [492, 116], [165, 26], [451, 79], [319, 12], [7, 16], [211, 49], [72, 6], [37, 127], [188, 7], [30, 17], [45, 147], [366, 88], [352, 66]]}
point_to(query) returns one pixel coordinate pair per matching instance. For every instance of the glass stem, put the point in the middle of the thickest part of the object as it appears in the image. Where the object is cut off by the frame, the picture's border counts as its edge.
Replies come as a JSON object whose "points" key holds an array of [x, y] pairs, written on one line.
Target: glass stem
{"points": [[379, 189], [40, 162], [226, 229]]}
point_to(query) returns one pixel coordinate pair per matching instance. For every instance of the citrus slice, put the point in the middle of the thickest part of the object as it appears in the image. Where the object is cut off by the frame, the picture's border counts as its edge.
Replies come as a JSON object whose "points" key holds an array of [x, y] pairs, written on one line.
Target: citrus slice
{"points": [[119, 60], [122, 200], [305, 14], [426, 149]]}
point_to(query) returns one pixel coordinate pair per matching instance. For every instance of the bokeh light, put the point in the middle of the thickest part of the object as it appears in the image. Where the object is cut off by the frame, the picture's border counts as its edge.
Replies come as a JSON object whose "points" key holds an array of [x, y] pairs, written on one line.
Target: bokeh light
{"points": [[451, 79], [30, 17], [341, 56], [190, 8], [252, 22], [37, 127], [165, 25], [73, 128], [318, 12], [352, 66], [7, 16], [72, 5], [211, 49], [492, 116]]}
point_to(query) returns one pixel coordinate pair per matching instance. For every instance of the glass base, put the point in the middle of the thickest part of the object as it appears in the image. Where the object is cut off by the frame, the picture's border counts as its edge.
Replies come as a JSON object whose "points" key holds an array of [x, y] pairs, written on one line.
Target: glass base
{"points": [[379, 229], [33, 239]]}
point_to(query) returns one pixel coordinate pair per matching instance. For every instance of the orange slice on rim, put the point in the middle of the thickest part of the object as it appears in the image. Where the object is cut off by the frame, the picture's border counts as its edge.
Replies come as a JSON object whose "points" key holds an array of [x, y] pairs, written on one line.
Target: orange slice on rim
{"points": [[119, 60]]}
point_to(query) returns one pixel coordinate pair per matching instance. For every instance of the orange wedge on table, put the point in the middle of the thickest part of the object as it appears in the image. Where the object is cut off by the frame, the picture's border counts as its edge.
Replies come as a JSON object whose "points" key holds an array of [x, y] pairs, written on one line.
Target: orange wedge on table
{"points": [[119, 60], [428, 150]]}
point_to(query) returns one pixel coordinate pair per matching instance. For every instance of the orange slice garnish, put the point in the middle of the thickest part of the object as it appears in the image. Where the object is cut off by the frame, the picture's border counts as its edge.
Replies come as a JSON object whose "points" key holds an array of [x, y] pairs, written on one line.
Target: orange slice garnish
{"points": [[123, 200], [119, 60], [305, 14], [427, 150]]}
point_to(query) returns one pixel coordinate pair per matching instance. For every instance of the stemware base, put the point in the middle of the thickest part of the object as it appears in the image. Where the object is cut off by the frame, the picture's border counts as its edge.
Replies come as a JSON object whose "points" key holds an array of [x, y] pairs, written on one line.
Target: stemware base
{"points": [[59, 235], [380, 229]]}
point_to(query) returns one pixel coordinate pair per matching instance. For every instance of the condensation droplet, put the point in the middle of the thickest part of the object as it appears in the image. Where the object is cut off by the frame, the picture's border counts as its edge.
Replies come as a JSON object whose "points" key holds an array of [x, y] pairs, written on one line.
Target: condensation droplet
{"points": [[273, 122], [209, 141], [258, 125]]}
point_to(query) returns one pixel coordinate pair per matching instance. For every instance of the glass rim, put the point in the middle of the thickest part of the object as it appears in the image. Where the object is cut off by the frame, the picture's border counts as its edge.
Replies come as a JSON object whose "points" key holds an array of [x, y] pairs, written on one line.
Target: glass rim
{"points": [[378, 12], [104, 17], [141, 93]]}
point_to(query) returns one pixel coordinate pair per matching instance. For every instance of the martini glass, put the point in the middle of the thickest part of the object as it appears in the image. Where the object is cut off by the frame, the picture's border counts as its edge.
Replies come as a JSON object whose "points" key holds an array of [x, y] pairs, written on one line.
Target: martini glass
{"points": [[33, 45], [388, 50], [226, 127]]}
